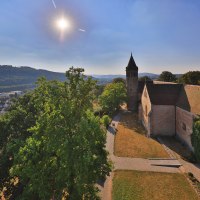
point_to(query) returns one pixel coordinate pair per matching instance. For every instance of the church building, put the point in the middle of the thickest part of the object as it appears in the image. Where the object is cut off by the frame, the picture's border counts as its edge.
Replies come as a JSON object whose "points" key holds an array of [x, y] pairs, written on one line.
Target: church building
{"points": [[165, 109]]}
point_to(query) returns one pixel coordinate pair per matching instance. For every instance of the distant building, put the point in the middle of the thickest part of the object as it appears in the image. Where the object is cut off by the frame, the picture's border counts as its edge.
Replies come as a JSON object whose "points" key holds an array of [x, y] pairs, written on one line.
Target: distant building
{"points": [[165, 109], [5, 99]]}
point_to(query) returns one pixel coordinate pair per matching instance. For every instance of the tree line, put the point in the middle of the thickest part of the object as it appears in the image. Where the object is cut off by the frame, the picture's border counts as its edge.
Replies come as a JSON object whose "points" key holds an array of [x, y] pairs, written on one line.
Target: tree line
{"points": [[191, 77]]}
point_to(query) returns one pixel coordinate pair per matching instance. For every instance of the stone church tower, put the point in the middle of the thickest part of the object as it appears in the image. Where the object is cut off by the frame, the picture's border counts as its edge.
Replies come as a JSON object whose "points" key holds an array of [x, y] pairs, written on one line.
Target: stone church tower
{"points": [[132, 84]]}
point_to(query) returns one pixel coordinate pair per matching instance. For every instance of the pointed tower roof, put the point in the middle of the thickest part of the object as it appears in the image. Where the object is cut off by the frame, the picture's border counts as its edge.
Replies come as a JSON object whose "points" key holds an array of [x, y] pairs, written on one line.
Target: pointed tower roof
{"points": [[131, 64]]}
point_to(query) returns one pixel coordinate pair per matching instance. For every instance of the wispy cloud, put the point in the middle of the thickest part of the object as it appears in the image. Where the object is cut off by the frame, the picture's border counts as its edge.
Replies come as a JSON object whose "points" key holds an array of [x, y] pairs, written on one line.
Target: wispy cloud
{"points": [[54, 4], [81, 30]]}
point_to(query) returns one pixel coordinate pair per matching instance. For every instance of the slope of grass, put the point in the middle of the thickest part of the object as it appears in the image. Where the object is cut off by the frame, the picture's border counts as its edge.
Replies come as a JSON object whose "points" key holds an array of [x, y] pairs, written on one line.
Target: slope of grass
{"points": [[130, 140], [129, 185]]}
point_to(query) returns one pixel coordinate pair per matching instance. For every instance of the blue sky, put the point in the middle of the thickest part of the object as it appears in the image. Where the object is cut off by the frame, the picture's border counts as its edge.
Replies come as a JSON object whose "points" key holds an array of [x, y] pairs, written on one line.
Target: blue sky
{"points": [[162, 34]]}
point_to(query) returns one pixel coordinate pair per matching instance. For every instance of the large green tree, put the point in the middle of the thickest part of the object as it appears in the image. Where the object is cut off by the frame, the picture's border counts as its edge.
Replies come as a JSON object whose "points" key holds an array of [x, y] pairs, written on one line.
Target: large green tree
{"points": [[191, 77], [167, 77], [63, 154], [113, 96]]}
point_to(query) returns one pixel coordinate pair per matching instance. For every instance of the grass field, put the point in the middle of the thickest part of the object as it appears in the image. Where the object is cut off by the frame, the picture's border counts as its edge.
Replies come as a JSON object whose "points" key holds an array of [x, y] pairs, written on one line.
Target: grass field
{"points": [[130, 140], [136, 185]]}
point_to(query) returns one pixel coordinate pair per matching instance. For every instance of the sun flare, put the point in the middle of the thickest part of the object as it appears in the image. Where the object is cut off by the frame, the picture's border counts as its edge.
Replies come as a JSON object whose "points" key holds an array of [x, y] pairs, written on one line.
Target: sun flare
{"points": [[63, 24]]}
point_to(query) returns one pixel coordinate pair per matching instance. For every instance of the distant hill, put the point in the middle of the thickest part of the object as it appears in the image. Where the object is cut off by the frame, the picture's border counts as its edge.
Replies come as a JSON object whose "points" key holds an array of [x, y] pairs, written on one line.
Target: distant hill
{"points": [[110, 76], [23, 78]]}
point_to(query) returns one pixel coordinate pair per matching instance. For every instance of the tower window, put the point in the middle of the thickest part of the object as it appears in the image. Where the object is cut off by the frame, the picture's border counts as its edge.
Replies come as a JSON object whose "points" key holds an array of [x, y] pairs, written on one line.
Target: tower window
{"points": [[146, 110], [184, 126], [145, 93]]}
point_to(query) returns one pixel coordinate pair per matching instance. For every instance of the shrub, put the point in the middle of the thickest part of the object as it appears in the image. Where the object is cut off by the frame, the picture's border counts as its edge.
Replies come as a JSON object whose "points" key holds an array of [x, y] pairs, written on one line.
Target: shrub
{"points": [[196, 138], [105, 120], [112, 97]]}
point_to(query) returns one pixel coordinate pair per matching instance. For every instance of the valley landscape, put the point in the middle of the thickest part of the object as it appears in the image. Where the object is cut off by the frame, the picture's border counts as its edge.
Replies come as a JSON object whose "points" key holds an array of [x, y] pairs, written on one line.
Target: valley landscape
{"points": [[99, 100]]}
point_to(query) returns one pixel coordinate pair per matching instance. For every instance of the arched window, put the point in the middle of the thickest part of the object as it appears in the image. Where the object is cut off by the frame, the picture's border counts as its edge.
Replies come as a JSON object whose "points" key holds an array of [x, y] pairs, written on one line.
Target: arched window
{"points": [[145, 93], [146, 110]]}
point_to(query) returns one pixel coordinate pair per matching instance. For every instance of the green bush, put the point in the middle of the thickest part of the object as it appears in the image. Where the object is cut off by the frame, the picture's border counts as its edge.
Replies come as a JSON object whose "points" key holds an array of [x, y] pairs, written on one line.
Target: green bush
{"points": [[196, 138], [105, 120], [112, 97]]}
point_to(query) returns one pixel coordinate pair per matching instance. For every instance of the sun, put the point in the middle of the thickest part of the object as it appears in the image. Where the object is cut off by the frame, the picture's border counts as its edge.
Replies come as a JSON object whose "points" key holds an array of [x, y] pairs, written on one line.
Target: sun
{"points": [[63, 24]]}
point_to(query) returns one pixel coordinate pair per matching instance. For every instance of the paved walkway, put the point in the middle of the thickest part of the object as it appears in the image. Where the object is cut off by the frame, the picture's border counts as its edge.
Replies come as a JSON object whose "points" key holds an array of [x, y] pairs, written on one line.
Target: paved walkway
{"points": [[133, 163], [125, 163], [194, 168]]}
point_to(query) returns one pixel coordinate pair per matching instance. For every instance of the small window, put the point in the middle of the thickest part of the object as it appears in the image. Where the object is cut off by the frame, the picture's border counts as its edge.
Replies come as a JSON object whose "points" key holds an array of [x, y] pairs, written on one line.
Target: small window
{"points": [[146, 110], [184, 126], [145, 93]]}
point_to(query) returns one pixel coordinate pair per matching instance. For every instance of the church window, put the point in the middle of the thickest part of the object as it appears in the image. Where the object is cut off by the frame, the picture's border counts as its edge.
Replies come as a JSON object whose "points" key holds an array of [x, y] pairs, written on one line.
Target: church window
{"points": [[145, 93], [184, 126], [146, 110]]}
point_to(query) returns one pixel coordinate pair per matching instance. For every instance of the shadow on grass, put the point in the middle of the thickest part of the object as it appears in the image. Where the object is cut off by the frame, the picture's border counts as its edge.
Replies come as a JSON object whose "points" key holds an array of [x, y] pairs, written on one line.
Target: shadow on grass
{"points": [[180, 149], [112, 130], [130, 121]]}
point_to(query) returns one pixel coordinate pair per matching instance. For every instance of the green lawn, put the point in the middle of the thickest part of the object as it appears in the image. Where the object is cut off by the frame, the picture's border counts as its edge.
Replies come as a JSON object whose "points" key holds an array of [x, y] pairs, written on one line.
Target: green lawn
{"points": [[136, 185]]}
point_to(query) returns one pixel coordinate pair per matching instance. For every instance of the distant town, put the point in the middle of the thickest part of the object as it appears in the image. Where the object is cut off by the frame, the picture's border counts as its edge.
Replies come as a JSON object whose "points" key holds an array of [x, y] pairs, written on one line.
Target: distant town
{"points": [[6, 99]]}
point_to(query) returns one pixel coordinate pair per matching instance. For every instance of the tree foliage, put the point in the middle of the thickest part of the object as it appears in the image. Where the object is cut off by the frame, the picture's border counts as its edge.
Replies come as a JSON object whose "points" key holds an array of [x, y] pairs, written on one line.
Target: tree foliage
{"points": [[98, 90], [119, 80], [167, 77], [113, 96], [105, 120], [196, 138], [61, 153], [191, 77], [145, 78], [13, 133]]}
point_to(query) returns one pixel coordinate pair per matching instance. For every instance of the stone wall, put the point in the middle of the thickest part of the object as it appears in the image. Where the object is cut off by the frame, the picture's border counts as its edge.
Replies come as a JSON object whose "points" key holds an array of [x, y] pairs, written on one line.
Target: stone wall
{"points": [[163, 120], [132, 85], [184, 124]]}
